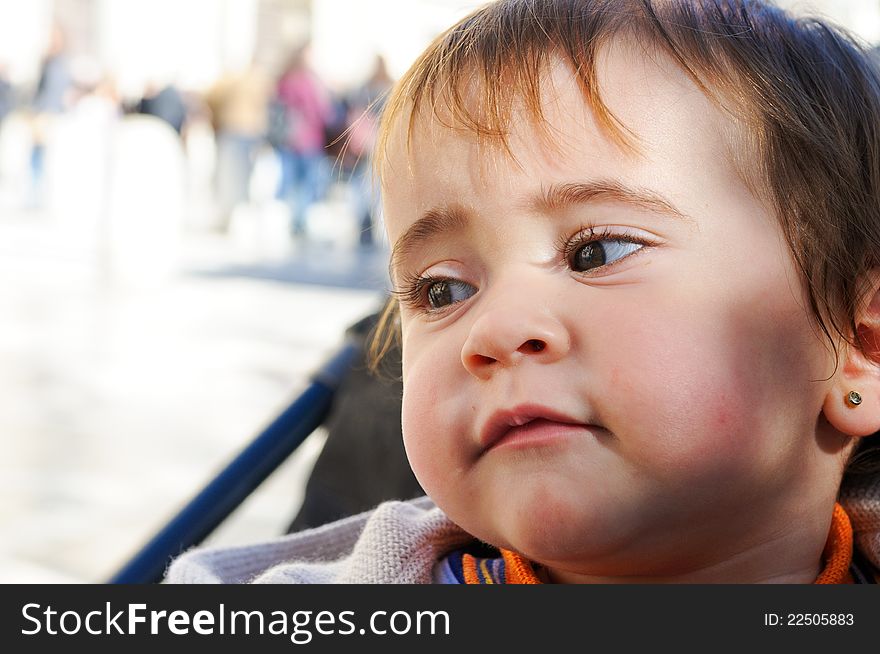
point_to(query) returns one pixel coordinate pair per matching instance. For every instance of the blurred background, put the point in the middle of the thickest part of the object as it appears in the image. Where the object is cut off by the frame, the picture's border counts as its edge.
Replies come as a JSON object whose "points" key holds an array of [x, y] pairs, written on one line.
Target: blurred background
{"points": [[183, 239]]}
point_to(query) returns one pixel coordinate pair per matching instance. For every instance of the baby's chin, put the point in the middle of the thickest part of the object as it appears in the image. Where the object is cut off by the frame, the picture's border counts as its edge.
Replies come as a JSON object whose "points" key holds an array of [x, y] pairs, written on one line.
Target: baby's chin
{"points": [[546, 524]]}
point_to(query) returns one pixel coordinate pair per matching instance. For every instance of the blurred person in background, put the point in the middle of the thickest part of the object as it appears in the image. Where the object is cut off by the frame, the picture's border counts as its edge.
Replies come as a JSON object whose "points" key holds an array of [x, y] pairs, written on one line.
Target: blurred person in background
{"points": [[238, 103], [7, 93], [302, 111], [51, 98], [364, 108], [166, 103]]}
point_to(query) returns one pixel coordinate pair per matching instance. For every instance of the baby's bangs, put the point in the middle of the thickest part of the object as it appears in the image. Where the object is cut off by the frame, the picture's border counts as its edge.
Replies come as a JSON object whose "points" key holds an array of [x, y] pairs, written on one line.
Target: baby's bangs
{"points": [[492, 65]]}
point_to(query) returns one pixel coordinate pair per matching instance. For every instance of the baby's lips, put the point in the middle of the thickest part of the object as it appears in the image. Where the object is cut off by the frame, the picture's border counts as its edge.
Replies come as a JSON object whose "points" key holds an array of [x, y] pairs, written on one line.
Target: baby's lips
{"points": [[503, 420]]}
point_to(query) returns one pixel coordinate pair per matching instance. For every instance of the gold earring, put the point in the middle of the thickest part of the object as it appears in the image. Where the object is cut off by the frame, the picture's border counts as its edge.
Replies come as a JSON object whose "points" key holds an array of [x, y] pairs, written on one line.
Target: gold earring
{"points": [[853, 398]]}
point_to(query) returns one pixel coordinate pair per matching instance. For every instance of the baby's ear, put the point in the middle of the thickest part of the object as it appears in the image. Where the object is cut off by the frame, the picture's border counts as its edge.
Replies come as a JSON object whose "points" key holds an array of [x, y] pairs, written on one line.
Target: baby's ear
{"points": [[852, 405]]}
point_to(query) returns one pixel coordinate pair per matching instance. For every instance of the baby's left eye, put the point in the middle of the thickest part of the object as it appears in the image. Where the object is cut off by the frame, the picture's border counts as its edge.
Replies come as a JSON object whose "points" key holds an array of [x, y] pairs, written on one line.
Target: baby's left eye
{"points": [[600, 252], [445, 292]]}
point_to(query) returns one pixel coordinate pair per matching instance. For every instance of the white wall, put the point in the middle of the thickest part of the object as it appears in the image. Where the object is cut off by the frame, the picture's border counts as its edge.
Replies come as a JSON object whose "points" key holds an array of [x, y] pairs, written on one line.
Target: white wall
{"points": [[188, 42], [24, 31], [860, 16], [346, 34]]}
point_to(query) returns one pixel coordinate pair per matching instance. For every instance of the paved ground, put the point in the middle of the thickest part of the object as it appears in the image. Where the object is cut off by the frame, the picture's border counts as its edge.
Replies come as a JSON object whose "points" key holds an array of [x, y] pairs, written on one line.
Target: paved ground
{"points": [[120, 399]]}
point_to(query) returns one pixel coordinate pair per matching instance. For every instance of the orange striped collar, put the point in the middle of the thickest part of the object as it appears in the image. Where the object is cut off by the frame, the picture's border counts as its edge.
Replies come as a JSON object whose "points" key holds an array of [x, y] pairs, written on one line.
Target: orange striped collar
{"points": [[838, 552]]}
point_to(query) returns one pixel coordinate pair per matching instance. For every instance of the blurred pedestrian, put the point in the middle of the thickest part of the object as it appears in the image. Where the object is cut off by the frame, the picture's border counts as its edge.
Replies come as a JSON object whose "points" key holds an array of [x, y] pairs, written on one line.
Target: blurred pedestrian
{"points": [[7, 94], [364, 109], [51, 98], [238, 103], [303, 111], [166, 103]]}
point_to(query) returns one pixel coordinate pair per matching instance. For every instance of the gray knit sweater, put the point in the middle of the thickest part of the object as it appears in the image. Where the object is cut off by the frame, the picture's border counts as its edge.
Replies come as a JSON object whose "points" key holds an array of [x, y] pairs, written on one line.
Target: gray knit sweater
{"points": [[399, 542]]}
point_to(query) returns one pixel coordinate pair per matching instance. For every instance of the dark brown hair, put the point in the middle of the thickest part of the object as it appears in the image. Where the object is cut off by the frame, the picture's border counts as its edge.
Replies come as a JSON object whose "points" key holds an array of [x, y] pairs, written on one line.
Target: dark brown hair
{"points": [[806, 96]]}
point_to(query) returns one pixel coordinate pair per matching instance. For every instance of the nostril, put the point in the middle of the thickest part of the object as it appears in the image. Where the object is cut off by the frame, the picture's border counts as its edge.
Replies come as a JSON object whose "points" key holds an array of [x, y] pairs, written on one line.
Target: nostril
{"points": [[536, 345]]}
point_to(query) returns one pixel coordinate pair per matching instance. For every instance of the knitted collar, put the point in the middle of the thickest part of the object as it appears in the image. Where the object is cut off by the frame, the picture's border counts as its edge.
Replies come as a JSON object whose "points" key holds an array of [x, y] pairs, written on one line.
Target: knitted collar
{"points": [[838, 550], [516, 569]]}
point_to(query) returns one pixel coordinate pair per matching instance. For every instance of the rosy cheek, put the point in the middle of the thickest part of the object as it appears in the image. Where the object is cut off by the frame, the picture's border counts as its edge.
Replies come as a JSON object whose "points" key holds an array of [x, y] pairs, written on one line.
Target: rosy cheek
{"points": [[722, 417], [674, 394]]}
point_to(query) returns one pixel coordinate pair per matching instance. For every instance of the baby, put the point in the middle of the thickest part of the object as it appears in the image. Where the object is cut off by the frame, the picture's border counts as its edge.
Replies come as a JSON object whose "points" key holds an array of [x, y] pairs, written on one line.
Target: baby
{"points": [[635, 257]]}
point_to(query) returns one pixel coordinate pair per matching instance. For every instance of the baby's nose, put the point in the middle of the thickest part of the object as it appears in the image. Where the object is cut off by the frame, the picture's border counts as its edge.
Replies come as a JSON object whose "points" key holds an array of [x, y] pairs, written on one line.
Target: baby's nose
{"points": [[505, 334]]}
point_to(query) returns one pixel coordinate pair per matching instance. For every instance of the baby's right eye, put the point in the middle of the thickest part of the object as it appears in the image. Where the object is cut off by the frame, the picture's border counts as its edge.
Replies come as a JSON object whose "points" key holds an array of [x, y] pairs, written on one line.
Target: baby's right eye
{"points": [[442, 293]]}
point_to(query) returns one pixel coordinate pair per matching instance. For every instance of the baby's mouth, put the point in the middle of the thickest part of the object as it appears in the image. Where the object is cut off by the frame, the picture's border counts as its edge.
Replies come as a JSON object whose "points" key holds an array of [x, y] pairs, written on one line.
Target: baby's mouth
{"points": [[527, 425]]}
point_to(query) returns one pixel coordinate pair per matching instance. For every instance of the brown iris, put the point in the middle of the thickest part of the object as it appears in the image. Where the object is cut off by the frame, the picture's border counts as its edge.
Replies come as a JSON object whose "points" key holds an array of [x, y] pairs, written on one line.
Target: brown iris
{"points": [[591, 255]]}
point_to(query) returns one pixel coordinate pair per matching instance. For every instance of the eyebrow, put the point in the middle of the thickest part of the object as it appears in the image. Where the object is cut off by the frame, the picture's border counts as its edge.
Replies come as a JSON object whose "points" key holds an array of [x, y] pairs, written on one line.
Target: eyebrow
{"points": [[553, 198], [559, 196], [433, 222]]}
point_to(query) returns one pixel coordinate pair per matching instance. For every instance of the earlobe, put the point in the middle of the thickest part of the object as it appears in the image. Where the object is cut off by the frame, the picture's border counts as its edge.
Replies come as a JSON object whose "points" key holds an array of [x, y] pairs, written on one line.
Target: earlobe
{"points": [[852, 405], [853, 412]]}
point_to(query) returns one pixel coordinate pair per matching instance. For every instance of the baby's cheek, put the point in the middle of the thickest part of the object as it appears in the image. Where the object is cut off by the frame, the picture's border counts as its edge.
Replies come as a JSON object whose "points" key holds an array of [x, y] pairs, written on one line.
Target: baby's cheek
{"points": [[678, 399], [428, 419], [417, 421], [706, 430]]}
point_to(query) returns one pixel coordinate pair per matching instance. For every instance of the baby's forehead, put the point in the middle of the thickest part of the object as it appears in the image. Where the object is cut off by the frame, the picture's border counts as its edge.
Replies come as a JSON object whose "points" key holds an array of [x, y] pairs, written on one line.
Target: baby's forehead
{"points": [[635, 106]]}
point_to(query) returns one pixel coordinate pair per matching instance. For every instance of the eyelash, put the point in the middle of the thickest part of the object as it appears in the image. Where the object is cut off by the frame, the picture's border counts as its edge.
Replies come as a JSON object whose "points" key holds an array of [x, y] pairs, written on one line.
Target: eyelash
{"points": [[567, 246], [411, 291]]}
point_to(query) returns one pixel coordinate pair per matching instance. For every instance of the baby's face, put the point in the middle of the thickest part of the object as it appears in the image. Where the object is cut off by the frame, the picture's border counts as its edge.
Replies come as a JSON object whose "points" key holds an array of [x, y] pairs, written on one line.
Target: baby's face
{"points": [[607, 356]]}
